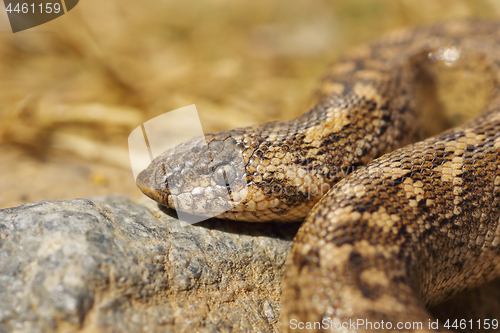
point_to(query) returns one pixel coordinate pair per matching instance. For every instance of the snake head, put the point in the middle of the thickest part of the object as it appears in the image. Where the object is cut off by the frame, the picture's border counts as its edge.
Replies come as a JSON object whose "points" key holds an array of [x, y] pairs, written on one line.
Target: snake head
{"points": [[205, 176]]}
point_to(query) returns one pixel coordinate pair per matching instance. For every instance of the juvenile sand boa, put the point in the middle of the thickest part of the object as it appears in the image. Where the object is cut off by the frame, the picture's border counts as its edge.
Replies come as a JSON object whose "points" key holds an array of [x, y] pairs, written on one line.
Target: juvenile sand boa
{"points": [[407, 231]]}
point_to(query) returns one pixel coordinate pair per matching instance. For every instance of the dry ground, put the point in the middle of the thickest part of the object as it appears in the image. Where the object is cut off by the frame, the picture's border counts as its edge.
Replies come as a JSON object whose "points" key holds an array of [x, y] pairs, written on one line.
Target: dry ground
{"points": [[73, 89]]}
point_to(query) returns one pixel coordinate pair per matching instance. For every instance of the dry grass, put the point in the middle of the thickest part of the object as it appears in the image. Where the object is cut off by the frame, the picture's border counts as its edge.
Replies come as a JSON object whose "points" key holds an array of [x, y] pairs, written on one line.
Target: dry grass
{"points": [[73, 89]]}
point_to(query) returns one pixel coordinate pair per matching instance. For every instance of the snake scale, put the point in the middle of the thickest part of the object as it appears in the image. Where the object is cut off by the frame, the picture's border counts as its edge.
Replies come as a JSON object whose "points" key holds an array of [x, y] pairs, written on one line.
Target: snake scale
{"points": [[389, 231]]}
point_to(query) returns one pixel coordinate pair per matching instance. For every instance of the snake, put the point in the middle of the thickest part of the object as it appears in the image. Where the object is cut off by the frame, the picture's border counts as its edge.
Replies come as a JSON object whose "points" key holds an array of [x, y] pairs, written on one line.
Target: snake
{"points": [[395, 170]]}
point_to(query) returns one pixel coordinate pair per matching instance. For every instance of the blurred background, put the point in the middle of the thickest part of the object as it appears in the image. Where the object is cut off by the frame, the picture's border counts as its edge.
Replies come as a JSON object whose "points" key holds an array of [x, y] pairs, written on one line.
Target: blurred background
{"points": [[73, 89]]}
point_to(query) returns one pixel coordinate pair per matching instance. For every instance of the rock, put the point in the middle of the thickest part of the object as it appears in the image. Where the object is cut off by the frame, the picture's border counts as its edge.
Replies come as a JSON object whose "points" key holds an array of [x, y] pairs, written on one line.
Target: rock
{"points": [[109, 264]]}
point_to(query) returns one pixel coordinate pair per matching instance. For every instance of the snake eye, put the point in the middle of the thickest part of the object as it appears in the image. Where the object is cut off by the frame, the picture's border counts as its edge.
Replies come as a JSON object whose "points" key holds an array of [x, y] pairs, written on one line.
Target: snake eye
{"points": [[224, 175]]}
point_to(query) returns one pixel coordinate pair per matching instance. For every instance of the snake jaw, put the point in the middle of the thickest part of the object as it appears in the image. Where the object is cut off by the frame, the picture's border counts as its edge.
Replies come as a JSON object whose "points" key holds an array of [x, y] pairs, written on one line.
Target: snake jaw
{"points": [[146, 183]]}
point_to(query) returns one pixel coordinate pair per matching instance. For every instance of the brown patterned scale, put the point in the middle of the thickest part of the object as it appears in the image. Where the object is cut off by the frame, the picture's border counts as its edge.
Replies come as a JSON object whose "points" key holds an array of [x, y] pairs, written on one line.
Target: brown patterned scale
{"points": [[403, 231]]}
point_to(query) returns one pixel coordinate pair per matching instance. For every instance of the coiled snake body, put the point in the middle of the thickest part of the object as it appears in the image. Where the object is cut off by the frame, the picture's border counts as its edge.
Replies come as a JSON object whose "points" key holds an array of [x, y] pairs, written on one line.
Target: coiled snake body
{"points": [[407, 231]]}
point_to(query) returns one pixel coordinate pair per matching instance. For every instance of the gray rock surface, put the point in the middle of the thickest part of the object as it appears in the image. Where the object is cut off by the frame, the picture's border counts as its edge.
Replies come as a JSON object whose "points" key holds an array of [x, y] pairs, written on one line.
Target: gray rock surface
{"points": [[111, 265]]}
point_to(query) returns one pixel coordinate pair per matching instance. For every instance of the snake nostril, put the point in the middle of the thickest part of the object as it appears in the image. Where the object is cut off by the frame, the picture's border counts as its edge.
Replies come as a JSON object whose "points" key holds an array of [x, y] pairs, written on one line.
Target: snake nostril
{"points": [[142, 181], [145, 182]]}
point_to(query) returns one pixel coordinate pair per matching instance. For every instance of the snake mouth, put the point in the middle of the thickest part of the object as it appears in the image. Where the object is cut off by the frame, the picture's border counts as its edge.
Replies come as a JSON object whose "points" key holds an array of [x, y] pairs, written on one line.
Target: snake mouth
{"points": [[145, 182]]}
